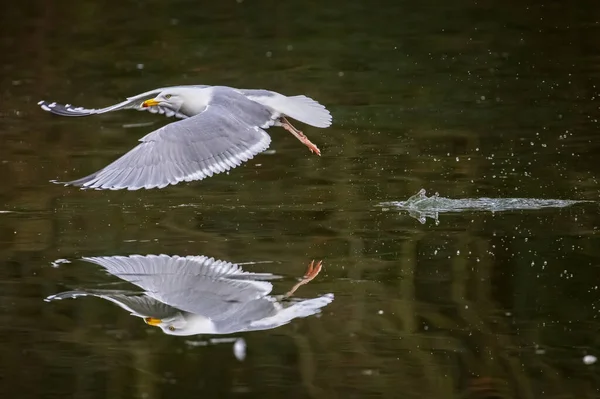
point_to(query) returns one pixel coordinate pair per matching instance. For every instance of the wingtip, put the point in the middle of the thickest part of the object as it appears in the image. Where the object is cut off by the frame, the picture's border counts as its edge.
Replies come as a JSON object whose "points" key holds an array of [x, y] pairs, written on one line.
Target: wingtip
{"points": [[65, 184], [44, 106]]}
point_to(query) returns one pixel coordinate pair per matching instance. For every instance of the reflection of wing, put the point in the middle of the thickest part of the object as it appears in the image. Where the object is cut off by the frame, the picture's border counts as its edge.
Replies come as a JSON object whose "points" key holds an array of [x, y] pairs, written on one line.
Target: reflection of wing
{"points": [[198, 295], [134, 102], [195, 284], [133, 267], [137, 305]]}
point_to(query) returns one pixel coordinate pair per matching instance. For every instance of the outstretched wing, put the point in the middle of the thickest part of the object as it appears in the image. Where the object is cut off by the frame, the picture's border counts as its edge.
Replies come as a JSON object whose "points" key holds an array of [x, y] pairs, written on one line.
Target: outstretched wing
{"points": [[137, 304], [227, 133], [134, 102], [149, 271], [195, 284]]}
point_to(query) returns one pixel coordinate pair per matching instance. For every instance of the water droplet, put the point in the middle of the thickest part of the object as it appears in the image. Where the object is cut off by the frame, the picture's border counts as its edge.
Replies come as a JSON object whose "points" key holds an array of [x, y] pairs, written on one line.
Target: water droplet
{"points": [[589, 359]]}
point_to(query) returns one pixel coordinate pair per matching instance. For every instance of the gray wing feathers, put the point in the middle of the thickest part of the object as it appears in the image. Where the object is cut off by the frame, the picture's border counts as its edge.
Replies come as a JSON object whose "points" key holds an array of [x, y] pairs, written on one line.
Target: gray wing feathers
{"points": [[143, 306], [161, 273], [136, 265], [212, 297], [196, 284], [136, 304], [191, 149], [243, 107]]}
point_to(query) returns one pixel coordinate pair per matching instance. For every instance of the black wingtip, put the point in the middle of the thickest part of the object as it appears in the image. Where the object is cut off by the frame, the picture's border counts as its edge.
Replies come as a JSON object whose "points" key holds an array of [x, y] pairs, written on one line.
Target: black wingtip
{"points": [[75, 183], [63, 110]]}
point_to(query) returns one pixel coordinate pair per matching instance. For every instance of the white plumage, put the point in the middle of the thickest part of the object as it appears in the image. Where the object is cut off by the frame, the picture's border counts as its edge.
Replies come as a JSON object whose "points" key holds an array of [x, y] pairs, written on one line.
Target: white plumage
{"points": [[199, 295], [221, 128]]}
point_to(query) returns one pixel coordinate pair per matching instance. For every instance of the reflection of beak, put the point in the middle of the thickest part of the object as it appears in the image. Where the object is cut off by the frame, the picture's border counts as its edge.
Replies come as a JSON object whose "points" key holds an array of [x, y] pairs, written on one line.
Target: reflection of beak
{"points": [[152, 321], [150, 103]]}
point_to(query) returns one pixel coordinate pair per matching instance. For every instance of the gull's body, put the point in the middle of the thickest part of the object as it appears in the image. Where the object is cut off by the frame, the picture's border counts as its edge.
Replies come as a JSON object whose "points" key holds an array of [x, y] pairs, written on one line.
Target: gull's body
{"points": [[221, 127], [199, 295]]}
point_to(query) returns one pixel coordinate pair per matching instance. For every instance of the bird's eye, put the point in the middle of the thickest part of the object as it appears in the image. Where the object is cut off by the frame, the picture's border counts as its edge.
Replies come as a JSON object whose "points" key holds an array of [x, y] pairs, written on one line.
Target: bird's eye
{"points": [[171, 328], [168, 96]]}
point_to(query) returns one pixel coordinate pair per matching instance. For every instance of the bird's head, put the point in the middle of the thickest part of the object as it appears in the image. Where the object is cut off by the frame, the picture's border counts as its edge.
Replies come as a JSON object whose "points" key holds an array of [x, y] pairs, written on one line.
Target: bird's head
{"points": [[182, 325], [172, 98]]}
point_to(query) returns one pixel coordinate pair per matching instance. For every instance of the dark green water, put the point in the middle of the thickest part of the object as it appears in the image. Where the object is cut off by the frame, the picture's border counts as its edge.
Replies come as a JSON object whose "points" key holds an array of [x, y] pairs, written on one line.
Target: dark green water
{"points": [[467, 98]]}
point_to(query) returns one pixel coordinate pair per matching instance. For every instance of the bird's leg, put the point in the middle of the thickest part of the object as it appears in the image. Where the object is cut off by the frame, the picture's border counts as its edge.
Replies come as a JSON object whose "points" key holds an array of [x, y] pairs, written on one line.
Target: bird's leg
{"points": [[300, 136], [311, 272]]}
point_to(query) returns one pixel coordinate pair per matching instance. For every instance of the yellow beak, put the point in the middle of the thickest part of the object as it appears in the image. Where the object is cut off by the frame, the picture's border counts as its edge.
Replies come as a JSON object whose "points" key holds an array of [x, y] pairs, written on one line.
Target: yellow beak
{"points": [[152, 321], [150, 103]]}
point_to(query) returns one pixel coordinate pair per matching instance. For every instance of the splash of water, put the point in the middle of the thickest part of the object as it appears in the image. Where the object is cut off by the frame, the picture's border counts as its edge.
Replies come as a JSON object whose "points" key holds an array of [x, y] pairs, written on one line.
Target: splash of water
{"points": [[421, 207]]}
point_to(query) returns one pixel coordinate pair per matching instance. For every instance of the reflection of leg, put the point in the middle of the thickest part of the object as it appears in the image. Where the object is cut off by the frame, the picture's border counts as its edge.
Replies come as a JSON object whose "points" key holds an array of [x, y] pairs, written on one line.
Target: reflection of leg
{"points": [[300, 136], [311, 272]]}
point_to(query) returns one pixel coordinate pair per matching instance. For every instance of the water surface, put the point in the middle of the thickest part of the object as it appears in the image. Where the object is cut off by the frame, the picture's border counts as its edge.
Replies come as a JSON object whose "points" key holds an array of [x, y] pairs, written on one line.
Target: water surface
{"points": [[484, 99]]}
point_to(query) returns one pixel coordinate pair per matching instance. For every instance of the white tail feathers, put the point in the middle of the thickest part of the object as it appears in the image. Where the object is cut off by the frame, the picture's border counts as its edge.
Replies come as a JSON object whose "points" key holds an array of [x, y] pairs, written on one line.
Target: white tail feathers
{"points": [[301, 108], [307, 110]]}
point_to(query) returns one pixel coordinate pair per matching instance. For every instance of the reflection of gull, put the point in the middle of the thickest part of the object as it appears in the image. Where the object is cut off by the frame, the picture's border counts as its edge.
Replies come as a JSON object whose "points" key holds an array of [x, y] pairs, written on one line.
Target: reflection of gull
{"points": [[201, 295], [221, 128]]}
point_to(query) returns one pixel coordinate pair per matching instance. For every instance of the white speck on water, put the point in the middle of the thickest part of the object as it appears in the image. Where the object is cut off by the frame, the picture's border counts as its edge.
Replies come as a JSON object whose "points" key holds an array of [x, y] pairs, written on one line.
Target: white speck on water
{"points": [[589, 359], [269, 54], [340, 74], [540, 351], [239, 349], [380, 312], [140, 66]]}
